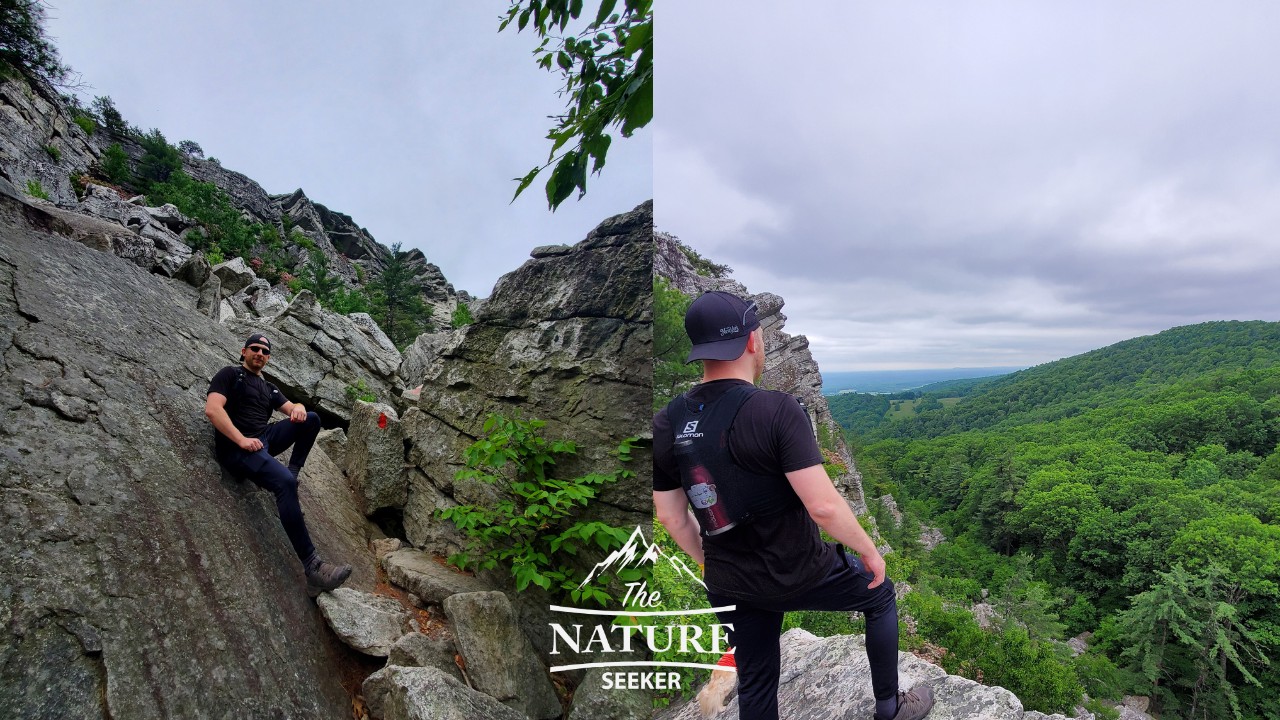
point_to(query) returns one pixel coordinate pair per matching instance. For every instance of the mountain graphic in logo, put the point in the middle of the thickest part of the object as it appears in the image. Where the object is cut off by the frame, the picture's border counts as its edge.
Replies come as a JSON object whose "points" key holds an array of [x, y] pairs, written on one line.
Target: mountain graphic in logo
{"points": [[637, 553]]}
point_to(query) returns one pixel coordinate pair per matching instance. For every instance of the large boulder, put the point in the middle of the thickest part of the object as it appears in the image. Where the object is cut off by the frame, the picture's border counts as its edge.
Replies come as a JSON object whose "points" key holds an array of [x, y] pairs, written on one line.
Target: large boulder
{"points": [[375, 457], [427, 577], [366, 622], [566, 338], [321, 358], [235, 274], [417, 649], [137, 580], [426, 693], [500, 660]]}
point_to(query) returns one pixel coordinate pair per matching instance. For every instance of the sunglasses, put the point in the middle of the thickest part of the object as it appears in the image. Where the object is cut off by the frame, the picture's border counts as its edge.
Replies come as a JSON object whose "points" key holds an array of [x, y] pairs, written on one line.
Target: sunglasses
{"points": [[259, 349]]}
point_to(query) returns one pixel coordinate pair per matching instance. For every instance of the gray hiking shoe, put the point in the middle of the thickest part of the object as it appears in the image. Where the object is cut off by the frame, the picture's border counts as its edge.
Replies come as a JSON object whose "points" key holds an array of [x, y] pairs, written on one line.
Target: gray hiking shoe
{"points": [[914, 704], [324, 576]]}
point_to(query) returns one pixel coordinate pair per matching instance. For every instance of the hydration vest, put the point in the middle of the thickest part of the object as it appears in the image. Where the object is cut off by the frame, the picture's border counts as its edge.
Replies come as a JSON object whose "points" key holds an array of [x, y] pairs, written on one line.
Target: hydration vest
{"points": [[701, 434]]}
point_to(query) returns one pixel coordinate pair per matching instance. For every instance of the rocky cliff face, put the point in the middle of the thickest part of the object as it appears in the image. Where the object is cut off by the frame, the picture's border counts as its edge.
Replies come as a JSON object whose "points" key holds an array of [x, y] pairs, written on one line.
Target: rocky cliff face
{"points": [[140, 581], [137, 580], [789, 366], [566, 338]]}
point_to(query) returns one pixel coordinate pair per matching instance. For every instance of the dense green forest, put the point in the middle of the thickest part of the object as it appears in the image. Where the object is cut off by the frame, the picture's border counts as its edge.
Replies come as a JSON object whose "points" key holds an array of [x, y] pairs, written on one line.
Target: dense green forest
{"points": [[1132, 492]]}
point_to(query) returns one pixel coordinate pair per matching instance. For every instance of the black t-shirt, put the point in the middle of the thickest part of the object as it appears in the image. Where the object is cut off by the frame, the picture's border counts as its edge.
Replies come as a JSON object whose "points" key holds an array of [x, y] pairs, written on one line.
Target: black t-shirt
{"points": [[250, 402], [773, 556]]}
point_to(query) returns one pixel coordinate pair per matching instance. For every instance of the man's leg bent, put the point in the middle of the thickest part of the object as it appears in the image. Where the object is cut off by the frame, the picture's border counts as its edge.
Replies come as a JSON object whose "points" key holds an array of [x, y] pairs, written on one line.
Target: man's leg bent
{"points": [[757, 655], [267, 472], [281, 435], [845, 588]]}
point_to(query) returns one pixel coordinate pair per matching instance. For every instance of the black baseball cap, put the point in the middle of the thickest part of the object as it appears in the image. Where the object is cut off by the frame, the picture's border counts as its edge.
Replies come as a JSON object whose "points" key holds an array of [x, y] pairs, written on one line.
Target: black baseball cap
{"points": [[258, 339], [718, 324]]}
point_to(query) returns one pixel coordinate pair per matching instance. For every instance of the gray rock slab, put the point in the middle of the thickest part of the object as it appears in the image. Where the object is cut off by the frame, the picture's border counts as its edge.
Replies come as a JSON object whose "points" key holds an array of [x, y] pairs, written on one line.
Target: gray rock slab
{"points": [[425, 693], [830, 679], [375, 457], [235, 275], [135, 576], [334, 443], [500, 660], [423, 575], [364, 621]]}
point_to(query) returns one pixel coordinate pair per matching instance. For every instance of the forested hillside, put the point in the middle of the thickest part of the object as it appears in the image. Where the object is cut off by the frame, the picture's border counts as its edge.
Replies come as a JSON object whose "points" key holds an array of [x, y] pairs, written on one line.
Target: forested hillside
{"points": [[1132, 492], [1133, 368]]}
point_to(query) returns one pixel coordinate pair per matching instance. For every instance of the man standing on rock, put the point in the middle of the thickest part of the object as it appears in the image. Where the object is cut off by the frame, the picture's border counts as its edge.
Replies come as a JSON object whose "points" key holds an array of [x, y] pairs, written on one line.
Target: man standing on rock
{"points": [[748, 462], [239, 404]]}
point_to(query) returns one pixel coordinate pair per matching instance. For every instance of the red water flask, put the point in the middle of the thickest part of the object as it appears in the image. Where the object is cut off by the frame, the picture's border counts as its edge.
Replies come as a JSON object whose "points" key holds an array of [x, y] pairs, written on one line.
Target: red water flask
{"points": [[700, 487]]}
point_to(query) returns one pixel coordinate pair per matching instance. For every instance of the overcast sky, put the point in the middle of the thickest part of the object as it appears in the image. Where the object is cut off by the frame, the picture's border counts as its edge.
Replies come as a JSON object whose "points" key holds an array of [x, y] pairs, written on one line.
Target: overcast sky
{"points": [[411, 117], [979, 183]]}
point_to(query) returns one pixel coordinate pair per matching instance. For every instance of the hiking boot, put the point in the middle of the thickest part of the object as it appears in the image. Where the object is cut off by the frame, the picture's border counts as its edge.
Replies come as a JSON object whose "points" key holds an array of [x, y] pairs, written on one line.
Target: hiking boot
{"points": [[324, 576], [914, 704]]}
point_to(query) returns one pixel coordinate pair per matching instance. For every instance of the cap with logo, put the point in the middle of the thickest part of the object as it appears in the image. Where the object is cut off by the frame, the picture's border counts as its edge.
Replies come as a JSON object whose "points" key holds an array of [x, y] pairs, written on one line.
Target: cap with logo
{"points": [[718, 324], [258, 339]]}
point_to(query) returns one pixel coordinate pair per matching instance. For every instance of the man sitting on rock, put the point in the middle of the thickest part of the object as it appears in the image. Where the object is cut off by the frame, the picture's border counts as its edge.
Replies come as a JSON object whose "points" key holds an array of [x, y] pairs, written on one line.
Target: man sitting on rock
{"points": [[239, 404]]}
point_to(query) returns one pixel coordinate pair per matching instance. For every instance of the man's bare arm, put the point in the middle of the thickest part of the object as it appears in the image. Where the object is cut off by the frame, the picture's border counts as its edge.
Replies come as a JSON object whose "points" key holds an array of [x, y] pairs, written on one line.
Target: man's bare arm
{"points": [[295, 411], [830, 510], [215, 409], [672, 507]]}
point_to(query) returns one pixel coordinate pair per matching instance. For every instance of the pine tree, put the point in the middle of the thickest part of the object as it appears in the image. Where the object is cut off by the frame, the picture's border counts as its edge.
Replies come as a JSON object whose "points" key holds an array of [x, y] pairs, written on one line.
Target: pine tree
{"points": [[397, 303], [24, 47]]}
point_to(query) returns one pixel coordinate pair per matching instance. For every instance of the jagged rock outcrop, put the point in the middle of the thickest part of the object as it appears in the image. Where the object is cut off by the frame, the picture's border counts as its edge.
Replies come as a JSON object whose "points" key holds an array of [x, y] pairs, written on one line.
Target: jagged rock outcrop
{"points": [[830, 679], [375, 456], [138, 580], [327, 353], [565, 338], [426, 693], [500, 660], [789, 366], [246, 194], [367, 622], [34, 126]]}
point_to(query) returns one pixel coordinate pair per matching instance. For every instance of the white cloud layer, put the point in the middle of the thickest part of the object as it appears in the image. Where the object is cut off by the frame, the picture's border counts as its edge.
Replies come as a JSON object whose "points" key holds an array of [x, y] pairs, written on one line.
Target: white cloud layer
{"points": [[981, 183]]}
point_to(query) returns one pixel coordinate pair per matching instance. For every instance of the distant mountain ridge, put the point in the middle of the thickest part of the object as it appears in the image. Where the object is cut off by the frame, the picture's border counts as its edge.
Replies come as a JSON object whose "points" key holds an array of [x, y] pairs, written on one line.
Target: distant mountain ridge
{"points": [[891, 381], [1134, 367]]}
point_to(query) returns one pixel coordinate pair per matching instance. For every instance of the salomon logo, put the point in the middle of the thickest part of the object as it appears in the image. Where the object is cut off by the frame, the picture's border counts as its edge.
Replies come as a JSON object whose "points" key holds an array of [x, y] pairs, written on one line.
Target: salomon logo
{"points": [[691, 426]]}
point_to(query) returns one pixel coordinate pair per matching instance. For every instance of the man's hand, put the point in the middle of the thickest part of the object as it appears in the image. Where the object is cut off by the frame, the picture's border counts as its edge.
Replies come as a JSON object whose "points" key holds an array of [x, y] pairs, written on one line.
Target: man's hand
{"points": [[250, 444], [298, 413], [875, 565]]}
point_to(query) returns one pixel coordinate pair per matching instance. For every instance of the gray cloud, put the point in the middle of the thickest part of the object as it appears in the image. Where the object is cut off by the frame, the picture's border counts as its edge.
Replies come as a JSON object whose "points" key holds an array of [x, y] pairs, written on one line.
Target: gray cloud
{"points": [[976, 184], [410, 117]]}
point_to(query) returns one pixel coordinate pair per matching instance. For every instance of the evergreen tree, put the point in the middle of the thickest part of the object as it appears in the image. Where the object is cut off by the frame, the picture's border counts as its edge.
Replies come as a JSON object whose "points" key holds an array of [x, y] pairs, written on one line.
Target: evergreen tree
{"points": [[319, 279], [160, 160], [397, 303], [671, 375], [111, 118], [24, 47]]}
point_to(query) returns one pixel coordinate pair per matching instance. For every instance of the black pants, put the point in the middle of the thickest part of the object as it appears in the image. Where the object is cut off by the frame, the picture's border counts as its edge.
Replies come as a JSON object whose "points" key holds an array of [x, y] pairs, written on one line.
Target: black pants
{"points": [[758, 624], [267, 472]]}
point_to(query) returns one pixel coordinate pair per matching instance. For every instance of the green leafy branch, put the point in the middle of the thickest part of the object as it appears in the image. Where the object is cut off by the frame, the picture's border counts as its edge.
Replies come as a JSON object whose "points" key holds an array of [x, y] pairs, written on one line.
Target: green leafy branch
{"points": [[607, 70], [536, 525]]}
